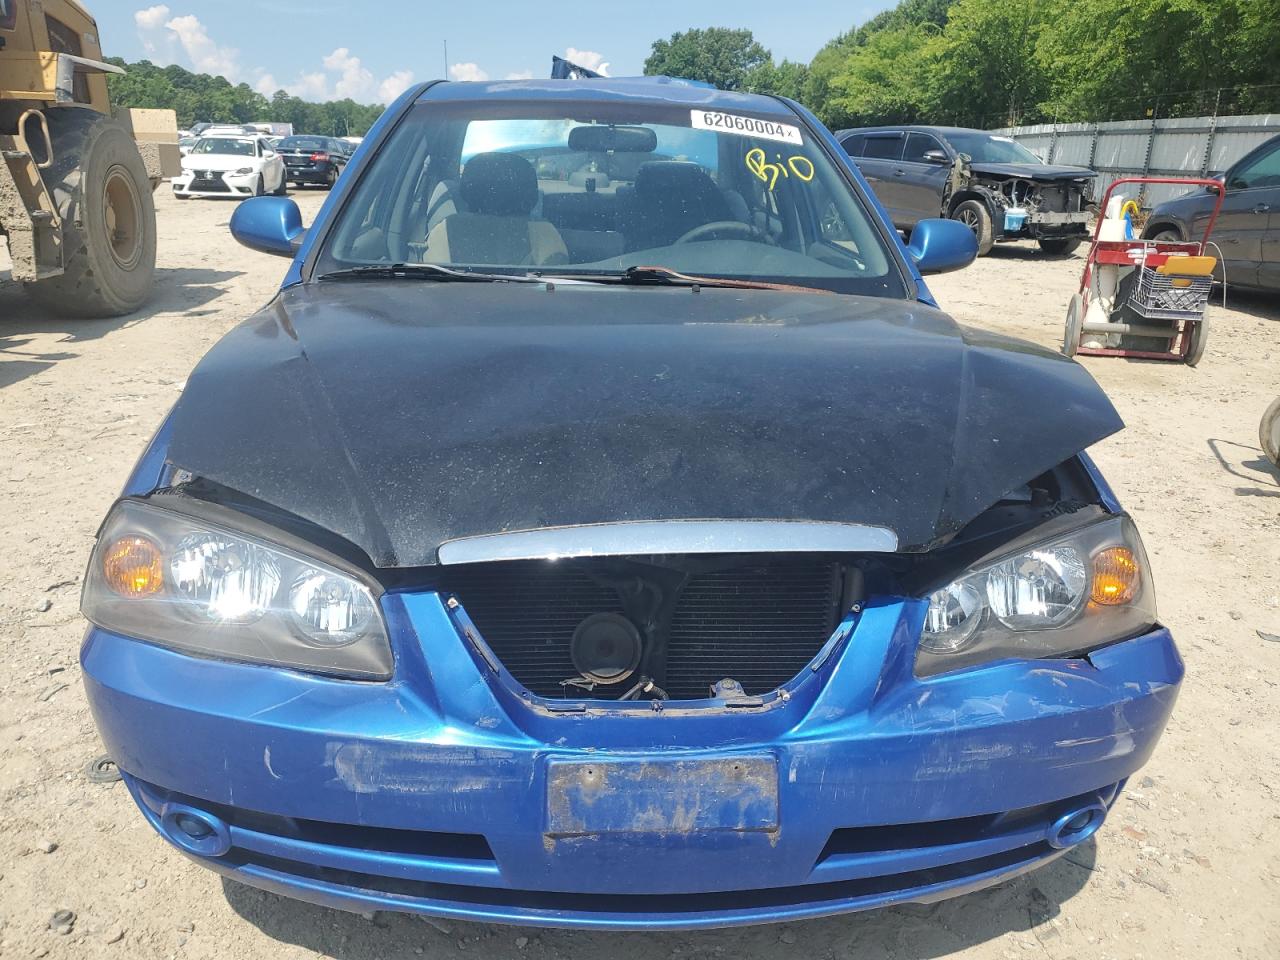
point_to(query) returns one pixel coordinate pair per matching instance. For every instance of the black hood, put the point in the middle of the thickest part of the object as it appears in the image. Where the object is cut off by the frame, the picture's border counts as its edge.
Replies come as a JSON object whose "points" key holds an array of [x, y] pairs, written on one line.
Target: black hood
{"points": [[1042, 172], [402, 414]]}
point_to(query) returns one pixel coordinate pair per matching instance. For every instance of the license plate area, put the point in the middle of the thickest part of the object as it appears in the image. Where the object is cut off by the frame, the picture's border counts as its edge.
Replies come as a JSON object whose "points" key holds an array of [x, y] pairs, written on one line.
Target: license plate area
{"points": [[646, 796]]}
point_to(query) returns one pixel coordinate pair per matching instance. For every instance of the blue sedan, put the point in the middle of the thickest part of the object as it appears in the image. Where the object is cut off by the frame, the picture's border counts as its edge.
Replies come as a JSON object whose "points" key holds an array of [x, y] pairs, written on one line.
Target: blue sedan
{"points": [[603, 527]]}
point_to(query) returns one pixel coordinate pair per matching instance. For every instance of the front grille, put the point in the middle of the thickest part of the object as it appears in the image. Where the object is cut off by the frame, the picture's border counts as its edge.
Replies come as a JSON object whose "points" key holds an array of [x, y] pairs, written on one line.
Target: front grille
{"points": [[209, 185], [757, 620]]}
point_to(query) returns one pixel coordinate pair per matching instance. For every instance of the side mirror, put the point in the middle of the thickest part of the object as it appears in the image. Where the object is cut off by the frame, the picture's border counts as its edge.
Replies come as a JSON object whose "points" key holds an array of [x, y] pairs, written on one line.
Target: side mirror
{"points": [[938, 245], [269, 225], [936, 156]]}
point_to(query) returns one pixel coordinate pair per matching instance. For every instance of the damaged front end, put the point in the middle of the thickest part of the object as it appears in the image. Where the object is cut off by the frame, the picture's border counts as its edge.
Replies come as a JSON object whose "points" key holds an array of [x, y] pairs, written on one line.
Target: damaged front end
{"points": [[808, 605], [1026, 202]]}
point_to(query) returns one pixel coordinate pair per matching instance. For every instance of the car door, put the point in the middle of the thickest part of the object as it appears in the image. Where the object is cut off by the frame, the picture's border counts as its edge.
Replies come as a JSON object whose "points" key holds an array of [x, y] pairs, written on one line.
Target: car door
{"points": [[1246, 227], [881, 158], [921, 176]]}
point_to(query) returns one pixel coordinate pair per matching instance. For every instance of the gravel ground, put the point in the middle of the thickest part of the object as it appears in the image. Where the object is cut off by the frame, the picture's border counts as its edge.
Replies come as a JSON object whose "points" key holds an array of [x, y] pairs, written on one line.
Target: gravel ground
{"points": [[1187, 865]]}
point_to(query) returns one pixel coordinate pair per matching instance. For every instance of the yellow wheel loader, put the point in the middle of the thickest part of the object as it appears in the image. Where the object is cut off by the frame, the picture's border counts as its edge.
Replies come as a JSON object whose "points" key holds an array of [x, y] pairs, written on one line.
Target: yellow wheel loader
{"points": [[75, 178]]}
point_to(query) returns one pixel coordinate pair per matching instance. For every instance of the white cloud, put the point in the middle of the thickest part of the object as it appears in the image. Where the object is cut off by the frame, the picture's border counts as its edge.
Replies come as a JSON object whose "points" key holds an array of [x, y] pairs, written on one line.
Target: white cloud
{"points": [[205, 55], [266, 85], [520, 75], [355, 80], [467, 71], [394, 85], [152, 18], [587, 58]]}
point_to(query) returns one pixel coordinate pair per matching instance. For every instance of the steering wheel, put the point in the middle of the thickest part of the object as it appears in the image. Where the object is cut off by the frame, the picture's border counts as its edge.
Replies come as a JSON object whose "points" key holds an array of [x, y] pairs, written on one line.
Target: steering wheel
{"points": [[745, 230]]}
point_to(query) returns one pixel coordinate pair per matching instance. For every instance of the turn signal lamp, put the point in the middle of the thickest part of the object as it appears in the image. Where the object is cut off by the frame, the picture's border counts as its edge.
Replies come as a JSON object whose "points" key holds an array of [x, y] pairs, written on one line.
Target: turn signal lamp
{"points": [[1116, 576], [133, 567]]}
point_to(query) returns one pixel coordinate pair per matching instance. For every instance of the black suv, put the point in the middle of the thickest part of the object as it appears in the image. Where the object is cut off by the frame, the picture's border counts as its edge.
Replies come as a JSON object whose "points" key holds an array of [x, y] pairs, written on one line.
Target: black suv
{"points": [[993, 184], [1248, 228]]}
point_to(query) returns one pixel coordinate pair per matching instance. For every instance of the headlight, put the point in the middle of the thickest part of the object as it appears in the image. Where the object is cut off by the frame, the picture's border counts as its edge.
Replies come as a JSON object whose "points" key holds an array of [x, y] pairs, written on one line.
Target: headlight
{"points": [[244, 171], [1059, 598], [203, 587]]}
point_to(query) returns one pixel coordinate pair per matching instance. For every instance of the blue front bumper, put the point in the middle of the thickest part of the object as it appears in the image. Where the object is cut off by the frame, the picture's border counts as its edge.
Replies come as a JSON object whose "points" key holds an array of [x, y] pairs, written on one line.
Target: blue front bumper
{"points": [[443, 791]]}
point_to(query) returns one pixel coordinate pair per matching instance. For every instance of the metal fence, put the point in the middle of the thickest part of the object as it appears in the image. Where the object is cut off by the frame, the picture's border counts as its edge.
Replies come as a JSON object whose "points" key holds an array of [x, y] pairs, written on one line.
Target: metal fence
{"points": [[1186, 147]]}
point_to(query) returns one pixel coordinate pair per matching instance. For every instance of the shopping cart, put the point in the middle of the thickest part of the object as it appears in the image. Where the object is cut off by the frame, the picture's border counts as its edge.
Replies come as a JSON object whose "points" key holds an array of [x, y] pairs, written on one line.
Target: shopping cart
{"points": [[1152, 293]]}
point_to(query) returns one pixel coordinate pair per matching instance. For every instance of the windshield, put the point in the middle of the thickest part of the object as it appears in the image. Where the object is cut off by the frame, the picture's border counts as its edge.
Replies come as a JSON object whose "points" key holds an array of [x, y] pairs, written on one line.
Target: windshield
{"points": [[592, 189], [988, 148], [235, 148]]}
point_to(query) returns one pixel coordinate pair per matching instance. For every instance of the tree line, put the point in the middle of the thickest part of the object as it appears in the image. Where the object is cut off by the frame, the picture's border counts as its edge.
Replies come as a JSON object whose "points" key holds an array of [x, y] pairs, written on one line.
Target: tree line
{"points": [[979, 63], [201, 96]]}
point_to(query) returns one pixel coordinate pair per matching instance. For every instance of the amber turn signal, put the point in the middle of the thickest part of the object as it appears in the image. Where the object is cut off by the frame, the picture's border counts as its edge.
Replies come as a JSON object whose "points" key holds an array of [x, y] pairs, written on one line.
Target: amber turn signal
{"points": [[132, 567], [1115, 576]]}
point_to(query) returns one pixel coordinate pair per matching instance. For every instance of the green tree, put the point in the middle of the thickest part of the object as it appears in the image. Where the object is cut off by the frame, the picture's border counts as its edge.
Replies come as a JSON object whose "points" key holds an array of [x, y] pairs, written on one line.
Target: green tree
{"points": [[785, 79], [986, 72], [886, 79], [716, 55]]}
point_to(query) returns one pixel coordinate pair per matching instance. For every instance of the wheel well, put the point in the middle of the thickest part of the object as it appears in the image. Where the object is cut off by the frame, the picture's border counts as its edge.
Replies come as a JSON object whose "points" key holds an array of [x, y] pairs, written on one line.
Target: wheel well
{"points": [[1154, 227], [964, 195]]}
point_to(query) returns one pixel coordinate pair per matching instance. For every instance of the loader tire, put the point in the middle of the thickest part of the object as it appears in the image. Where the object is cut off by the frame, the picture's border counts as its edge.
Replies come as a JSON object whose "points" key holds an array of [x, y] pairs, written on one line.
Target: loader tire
{"points": [[100, 187]]}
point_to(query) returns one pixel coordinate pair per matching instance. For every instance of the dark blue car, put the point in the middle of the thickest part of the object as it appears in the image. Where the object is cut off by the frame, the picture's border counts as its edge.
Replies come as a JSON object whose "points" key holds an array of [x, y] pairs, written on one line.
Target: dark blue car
{"points": [[602, 527]]}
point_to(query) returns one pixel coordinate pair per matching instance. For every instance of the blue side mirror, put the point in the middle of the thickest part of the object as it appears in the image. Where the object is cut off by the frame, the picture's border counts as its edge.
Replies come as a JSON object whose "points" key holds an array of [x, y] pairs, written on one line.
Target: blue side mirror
{"points": [[938, 246], [269, 225]]}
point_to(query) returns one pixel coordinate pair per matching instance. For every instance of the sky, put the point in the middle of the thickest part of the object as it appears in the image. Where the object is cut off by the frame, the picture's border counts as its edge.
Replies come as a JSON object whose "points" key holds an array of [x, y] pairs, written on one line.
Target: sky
{"points": [[372, 50]]}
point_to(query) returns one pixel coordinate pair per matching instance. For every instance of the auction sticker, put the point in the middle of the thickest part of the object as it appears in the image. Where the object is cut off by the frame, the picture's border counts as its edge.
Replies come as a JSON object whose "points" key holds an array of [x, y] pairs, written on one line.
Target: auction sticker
{"points": [[745, 126]]}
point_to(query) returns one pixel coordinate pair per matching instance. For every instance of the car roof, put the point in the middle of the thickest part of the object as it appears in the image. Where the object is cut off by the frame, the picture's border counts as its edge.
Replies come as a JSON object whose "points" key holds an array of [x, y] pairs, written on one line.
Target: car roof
{"points": [[657, 90], [911, 128]]}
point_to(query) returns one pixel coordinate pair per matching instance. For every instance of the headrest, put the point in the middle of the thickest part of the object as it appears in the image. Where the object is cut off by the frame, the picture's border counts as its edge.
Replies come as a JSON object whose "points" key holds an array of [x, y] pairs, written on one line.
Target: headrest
{"points": [[659, 177], [500, 184]]}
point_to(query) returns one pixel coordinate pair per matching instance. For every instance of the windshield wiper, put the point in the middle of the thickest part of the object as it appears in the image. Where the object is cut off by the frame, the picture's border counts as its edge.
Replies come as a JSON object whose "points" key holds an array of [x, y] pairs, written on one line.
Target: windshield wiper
{"points": [[423, 271], [668, 277]]}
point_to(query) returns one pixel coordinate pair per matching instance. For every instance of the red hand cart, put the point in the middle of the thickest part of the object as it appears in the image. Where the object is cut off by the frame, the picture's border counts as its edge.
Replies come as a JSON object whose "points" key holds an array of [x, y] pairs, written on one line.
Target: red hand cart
{"points": [[1144, 291]]}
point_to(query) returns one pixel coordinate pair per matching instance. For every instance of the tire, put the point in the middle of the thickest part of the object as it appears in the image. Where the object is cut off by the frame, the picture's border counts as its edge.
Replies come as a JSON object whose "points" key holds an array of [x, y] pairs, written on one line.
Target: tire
{"points": [[1199, 337], [260, 188], [1059, 246], [1164, 235], [974, 215], [1075, 326], [332, 180], [182, 196], [283, 189], [1269, 432], [100, 187]]}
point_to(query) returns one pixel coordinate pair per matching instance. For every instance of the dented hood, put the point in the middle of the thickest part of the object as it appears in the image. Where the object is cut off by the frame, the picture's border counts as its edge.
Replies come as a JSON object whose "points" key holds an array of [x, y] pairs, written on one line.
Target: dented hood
{"points": [[402, 414], [1041, 172]]}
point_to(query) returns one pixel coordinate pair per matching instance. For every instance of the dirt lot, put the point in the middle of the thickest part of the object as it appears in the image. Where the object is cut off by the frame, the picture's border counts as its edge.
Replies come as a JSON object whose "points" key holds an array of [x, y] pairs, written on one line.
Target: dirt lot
{"points": [[1189, 864]]}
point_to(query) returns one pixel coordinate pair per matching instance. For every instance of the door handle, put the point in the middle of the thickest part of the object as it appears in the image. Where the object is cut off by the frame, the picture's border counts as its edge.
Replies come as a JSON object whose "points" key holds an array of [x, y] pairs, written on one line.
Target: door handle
{"points": [[1261, 208]]}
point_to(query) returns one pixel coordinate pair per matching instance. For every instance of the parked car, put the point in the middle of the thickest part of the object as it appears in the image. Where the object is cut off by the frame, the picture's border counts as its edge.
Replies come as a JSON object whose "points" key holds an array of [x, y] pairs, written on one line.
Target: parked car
{"points": [[1248, 228], [314, 160], [186, 143], [639, 549], [222, 166], [992, 184]]}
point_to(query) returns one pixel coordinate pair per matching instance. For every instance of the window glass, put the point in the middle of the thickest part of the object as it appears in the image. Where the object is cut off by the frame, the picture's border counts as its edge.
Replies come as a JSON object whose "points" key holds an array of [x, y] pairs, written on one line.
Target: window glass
{"points": [[883, 148], [235, 148], [918, 144], [853, 145], [1263, 171], [587, 189]]}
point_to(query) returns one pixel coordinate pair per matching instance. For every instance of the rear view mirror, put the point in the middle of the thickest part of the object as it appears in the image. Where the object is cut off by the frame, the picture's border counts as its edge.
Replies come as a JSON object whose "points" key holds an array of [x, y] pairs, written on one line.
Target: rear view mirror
{"points": [[938, 245], [936, 156], [601, 139], [269, 225]]}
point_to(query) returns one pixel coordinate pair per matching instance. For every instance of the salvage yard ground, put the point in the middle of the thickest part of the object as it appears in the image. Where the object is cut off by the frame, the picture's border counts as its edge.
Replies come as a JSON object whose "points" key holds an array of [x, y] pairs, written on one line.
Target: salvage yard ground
{"points": [[1188, 865]]}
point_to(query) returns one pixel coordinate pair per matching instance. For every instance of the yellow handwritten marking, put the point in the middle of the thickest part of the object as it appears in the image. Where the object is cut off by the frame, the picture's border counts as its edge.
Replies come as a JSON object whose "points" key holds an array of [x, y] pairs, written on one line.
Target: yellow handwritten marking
{"points": [[760, 166], [806, 177]]}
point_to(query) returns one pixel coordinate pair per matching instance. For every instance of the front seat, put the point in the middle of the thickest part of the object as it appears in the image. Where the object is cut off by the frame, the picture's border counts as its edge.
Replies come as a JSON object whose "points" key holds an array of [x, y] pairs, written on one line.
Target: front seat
{"points": [[670, 198], [499, 191]]}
